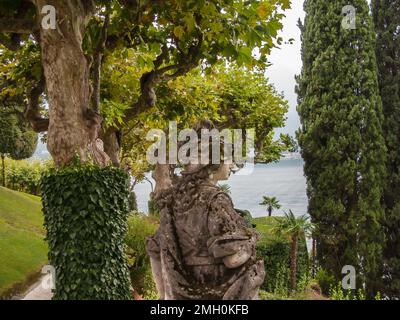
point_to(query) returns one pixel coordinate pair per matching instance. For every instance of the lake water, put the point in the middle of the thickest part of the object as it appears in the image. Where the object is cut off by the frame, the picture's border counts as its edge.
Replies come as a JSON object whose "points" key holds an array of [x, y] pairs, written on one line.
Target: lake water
{"points": [[283, 180]]}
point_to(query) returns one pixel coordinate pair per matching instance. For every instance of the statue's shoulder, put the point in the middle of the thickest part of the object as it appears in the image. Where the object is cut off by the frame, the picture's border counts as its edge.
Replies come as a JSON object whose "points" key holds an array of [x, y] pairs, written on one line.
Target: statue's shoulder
{"points": [[209, 188], [214, 194], [209, 191]]}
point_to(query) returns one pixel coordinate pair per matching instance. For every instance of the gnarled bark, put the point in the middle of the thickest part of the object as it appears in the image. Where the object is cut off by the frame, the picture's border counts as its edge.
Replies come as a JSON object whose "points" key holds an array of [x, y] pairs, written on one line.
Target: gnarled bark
{"points": [[73, 127], [112, 147], [163, 178]]}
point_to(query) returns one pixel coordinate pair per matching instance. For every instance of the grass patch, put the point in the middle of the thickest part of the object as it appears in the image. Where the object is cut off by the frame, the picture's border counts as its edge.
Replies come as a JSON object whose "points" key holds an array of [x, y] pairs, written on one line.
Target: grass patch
{"points": [[22, 247], [265, 226]]}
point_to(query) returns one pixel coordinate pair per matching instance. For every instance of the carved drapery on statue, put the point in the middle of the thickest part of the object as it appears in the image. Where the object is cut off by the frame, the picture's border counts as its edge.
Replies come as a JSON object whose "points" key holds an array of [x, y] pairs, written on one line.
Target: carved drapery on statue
{"points": [[203, 248]]}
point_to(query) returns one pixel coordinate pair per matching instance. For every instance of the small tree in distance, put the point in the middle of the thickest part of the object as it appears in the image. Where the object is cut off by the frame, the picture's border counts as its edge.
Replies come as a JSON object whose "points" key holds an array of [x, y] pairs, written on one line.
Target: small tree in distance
{"points": [[17, 141], [271, 203]]}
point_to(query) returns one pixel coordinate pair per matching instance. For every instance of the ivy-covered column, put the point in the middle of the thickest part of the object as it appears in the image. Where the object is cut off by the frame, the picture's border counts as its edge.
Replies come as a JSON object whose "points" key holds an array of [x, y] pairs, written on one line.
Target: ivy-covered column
{"points": [[85, 209]]}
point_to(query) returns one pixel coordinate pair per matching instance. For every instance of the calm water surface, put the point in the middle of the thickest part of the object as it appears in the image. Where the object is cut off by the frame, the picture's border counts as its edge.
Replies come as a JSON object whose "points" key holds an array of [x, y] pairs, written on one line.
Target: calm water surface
{"points": [[283, 180]]}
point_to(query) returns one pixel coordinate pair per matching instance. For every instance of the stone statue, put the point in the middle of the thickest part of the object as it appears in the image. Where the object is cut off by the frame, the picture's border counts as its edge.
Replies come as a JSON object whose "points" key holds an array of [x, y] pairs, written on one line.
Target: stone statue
{"points": [[203, 248]]}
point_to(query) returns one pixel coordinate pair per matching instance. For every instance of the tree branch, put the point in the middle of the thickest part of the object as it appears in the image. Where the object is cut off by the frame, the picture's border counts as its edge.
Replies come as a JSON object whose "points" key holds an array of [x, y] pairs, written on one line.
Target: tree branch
{"points": [[21, 26], [32, 112], [151, 79], [97, 60]]}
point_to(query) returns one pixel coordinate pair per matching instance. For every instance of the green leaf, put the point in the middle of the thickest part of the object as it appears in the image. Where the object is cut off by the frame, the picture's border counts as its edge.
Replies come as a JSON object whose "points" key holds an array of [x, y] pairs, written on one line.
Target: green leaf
{"points": [[179, 32]]}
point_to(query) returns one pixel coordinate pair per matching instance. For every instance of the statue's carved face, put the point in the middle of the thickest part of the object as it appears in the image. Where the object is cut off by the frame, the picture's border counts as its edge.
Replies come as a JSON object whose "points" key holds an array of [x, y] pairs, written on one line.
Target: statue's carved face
{"points": [[223, 172]]}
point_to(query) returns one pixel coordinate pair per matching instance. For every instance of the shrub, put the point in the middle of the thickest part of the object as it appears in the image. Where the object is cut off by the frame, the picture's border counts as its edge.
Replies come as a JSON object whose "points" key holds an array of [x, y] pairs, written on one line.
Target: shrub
{"points": [[24, 176], [264, 295], [275, 251], [326, 280], [86, 210], [139, 228], [338, 293]]}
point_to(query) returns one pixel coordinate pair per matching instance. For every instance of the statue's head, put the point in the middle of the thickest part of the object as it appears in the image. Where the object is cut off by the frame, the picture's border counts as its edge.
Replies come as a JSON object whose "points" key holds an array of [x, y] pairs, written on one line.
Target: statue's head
{"points": [[221, 173], [207, 165]]}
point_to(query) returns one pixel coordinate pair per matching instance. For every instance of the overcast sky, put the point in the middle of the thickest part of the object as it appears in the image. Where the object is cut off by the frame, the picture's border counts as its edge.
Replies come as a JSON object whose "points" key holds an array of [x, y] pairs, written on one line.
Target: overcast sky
{"points": [[287, 63]]}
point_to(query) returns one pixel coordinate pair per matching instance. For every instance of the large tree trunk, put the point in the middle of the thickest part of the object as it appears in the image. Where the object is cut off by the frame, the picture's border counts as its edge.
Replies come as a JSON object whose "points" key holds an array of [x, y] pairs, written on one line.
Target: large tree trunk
{"points": [[163, 176], [72, 126], [112, 145], [293, 263]]}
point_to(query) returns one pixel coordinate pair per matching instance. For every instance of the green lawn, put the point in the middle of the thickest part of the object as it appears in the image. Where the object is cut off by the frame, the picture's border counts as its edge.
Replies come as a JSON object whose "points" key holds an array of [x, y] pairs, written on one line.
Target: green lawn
{"points": [[22, 248], [265, 226]]}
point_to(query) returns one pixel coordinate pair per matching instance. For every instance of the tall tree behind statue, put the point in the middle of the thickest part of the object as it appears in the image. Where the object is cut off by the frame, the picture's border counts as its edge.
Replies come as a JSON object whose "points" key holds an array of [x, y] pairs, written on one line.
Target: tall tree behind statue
{"points": [[341, 138], [386, 14]]}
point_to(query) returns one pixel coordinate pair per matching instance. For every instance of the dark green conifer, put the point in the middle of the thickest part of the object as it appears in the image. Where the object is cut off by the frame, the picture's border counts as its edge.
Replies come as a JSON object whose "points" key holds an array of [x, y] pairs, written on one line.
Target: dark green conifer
{"points": [[386, 14], [341, 138]]}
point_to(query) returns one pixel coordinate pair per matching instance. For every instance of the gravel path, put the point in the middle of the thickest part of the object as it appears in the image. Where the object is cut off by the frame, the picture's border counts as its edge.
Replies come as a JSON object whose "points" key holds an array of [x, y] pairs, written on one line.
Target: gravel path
{"points": [[37, 292]]}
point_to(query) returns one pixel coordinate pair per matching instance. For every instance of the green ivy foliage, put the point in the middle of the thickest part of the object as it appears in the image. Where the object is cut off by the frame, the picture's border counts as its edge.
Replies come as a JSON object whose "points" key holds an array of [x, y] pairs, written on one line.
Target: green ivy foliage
{"points": [[86, 211]]}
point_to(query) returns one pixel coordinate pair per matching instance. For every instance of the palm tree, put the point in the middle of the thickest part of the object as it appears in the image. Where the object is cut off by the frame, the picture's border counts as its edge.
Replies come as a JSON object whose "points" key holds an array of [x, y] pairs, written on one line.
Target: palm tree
{"points": [[271, 203], [293, 228]]}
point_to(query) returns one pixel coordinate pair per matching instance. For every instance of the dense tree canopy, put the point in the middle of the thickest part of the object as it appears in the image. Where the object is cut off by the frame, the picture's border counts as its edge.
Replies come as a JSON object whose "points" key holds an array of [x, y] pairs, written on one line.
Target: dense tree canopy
{"points": [[230, 97], [169, 38]]}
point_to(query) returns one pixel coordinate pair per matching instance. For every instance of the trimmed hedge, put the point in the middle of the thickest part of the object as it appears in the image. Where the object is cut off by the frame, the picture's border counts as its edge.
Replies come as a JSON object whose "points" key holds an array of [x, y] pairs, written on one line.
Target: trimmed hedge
{"points": [[276, 254], [85, 210]]}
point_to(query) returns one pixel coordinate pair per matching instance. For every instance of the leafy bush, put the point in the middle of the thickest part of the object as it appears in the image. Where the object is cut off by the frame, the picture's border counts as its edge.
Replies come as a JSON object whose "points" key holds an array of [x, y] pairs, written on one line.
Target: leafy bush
{"points": [[264, 295], [139, 228], [326, 280], [338, 293], [86, 210], [276, 254], [24, 176]]}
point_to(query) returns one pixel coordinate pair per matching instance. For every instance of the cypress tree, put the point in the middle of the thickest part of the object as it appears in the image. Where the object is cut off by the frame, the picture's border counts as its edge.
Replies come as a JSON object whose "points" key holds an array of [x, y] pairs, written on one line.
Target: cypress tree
{"points": [[341, 139], [386, 15]]}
